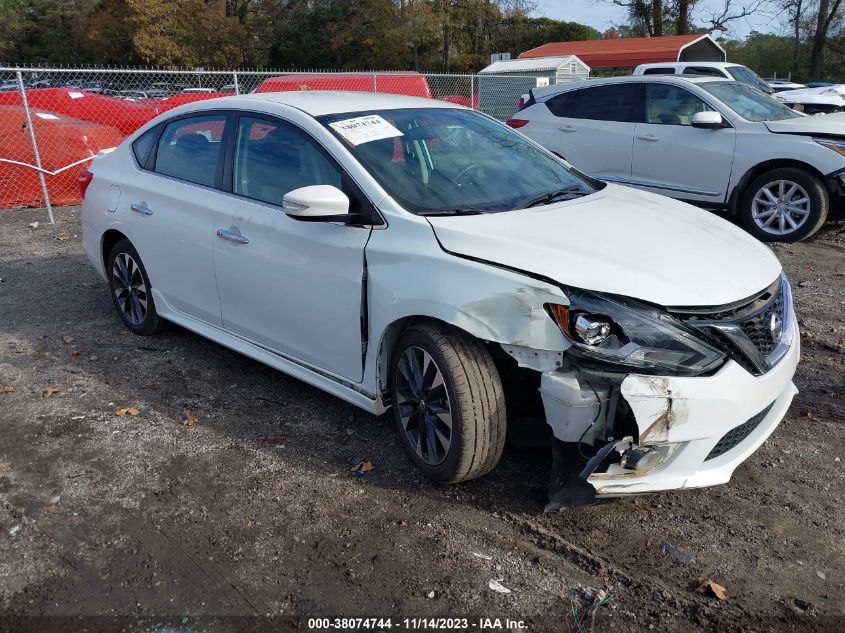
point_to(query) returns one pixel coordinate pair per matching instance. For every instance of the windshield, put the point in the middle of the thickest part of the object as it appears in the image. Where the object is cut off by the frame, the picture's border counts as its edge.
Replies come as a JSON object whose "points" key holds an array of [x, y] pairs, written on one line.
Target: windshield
{"points": [[747, 102], [748, 76], [450, 161]]}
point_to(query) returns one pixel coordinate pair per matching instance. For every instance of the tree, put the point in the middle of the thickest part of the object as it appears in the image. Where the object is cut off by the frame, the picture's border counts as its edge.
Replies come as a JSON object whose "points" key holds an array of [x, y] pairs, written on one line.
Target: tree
{"points": [[828, 11]]}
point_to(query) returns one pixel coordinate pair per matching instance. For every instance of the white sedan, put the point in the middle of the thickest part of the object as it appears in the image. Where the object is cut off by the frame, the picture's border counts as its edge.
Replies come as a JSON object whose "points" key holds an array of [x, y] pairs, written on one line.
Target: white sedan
{"points": [[716, 143], [409, 253]]}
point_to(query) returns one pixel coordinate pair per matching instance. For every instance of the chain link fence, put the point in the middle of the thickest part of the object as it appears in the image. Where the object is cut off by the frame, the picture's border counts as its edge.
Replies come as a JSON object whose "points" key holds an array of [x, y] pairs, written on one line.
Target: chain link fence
{"points": [[53, 121]]}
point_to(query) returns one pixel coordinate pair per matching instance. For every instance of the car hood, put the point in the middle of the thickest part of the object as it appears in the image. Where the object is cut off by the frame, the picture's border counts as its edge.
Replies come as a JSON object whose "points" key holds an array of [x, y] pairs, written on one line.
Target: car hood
{"points": [[822, 124], [620, 241]]}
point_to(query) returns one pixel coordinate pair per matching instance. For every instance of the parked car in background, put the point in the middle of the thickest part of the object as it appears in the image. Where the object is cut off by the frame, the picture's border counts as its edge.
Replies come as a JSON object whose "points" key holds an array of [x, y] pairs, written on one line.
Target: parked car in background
{"points": [[197, 90], [821, 100], [717, 143], [722, 70], [779, 85], [416, 255], [131, 95]]}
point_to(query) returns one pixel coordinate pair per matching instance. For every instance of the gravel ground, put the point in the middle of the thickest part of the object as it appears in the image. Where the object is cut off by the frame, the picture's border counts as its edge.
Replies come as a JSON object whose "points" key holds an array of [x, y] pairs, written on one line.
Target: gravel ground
{"points": [[229, 493]]}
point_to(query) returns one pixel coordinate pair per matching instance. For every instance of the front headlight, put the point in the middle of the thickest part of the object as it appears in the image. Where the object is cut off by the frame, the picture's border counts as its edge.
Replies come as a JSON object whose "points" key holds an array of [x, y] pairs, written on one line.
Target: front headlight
{"points": [[632, 335]]}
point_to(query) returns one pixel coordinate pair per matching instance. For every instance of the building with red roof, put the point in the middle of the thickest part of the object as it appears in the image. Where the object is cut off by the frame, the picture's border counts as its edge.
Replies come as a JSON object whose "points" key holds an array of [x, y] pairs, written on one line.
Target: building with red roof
{"points": [[628, 52]]}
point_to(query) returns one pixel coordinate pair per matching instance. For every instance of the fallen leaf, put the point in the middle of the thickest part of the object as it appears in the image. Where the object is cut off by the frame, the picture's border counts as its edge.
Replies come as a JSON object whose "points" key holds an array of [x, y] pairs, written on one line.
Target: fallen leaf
{"points": [[713, 588], [274, 439], [50, 509], [362, 467], [49, 391], [7, 389], [69, 339], [497, 586], [807, 415], [41, 337], [63, 237], [74, 352], [190, 419], [124, 333], [127, 411]]}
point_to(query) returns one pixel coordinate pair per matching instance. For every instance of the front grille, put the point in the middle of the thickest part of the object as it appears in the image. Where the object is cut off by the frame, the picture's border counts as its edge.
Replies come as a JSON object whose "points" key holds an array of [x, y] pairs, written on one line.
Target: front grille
{"points": [[744, 331], [737, 434]]}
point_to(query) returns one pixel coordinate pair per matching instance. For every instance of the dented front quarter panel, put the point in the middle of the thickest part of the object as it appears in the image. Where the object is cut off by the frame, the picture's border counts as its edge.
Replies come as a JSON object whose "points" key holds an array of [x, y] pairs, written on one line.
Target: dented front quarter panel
{"points": [[410, 276]]}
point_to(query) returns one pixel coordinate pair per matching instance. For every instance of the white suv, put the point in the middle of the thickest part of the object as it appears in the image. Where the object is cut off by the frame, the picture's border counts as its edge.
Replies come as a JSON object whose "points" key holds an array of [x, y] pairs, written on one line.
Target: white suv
{"points": [[722, 70], [716, 143]]}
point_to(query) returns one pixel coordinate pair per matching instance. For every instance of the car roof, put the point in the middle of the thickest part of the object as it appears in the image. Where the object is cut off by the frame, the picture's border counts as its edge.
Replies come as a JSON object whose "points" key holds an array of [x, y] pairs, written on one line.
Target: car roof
{"points": [[322, 102], [673, 64], [671, 79]]}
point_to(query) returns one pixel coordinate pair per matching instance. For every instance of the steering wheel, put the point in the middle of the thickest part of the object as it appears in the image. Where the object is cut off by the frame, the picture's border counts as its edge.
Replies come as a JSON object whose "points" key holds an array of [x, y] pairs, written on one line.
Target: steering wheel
{"points": [[466, 171]]}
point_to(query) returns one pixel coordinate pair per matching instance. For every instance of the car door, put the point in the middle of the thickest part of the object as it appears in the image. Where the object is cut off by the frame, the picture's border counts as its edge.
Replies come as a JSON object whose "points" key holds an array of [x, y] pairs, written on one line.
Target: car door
{"points": [[294, 287], [173, 207], [595, 129], [672, 157]]}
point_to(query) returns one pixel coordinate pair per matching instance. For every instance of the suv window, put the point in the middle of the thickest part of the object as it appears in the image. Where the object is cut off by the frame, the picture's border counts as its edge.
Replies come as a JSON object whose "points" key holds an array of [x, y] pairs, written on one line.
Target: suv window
{"points": [[272, 158], [671, 105], [563, 104], [143, 144], [607, 103], [190, 148], [665, 70], [704, 70]]}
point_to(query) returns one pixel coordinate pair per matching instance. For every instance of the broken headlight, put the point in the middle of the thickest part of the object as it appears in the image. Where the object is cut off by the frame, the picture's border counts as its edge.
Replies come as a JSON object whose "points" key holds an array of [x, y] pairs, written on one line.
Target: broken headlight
{"points": [[632, 335]]}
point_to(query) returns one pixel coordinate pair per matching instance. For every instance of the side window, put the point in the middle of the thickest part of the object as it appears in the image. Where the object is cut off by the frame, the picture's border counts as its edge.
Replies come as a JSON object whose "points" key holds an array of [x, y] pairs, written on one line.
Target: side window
{"points": [[190, 148], [143, 144], [272, 159], [607, 103], [671, 105], [563, 104], [703, 70], [667, 70]]}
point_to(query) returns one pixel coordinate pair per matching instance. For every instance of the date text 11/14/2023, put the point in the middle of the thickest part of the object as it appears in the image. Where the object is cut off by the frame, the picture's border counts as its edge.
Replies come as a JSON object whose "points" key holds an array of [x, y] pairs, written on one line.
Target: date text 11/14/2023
{"points": [[415, 624]]}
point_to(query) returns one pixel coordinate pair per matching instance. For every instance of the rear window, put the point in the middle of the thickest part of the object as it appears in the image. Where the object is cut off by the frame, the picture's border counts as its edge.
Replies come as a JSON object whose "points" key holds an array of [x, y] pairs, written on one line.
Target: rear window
{"points": [[665, 70], [143, 144], [607, 103], [705, 71], [190, 149], [563, 104]]}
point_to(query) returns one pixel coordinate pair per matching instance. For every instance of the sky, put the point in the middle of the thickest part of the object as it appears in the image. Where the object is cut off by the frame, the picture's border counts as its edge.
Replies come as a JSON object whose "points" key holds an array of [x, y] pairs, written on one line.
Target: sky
{"points": [[602, 15]]}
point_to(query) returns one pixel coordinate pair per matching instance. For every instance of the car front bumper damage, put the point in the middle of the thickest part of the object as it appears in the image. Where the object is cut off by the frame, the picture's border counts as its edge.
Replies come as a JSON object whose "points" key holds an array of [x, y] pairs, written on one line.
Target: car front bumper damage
{"points": [[681, 432]]}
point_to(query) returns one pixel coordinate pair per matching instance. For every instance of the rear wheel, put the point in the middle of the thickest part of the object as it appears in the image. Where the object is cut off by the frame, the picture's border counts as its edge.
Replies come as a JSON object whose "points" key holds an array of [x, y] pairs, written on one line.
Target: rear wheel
{"points": [[784, 205], [448, 403], [130, 288]]}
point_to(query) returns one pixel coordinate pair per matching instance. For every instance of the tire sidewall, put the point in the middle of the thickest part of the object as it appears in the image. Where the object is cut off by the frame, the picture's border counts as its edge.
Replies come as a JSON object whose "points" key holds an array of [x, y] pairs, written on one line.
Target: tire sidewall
{"points": [[150, 323], [818, 204], [444, 471]]}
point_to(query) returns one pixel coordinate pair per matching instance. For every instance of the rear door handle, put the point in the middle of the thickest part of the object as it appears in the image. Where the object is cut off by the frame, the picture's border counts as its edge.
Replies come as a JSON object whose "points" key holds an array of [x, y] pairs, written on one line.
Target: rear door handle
{"points": [[566, 128], [651, 138], [232, 236], [141, 208]]}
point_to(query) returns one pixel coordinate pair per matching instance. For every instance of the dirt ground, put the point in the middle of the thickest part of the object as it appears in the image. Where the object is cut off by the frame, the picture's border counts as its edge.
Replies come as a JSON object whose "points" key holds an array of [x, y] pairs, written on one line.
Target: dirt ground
{"points": [[253, 509]]}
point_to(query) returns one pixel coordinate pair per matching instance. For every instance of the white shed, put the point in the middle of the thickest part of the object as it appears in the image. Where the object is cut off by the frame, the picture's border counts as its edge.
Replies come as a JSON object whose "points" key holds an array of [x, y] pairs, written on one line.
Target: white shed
{"points": [[503, 82]]}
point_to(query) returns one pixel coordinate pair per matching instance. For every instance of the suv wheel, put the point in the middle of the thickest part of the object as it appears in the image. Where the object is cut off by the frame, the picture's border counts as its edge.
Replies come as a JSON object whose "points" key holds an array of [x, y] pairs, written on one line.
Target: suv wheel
{"points": [[130, 288], [784, 205], [448, 403]]}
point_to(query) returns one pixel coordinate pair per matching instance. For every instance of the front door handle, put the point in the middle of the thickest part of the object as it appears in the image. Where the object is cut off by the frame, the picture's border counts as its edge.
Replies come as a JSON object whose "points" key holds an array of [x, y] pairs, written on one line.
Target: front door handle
{"points": [[232, 236], [566, 128], [651, 138], [141, 208]]}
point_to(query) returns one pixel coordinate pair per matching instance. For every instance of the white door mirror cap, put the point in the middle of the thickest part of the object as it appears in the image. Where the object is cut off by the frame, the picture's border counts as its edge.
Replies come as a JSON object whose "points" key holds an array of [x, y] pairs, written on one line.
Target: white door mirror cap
{"points": [[316, 202], [708, 119]]}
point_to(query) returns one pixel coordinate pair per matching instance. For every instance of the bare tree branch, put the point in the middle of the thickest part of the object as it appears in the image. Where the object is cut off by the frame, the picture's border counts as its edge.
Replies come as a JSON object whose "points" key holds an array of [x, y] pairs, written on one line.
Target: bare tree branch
{"points": [[719, 21]]}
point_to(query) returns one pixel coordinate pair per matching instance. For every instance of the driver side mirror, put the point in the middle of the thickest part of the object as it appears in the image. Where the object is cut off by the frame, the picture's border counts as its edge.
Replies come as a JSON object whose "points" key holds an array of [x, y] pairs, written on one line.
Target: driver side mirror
{"points": [[317, 203], [708, 120]]}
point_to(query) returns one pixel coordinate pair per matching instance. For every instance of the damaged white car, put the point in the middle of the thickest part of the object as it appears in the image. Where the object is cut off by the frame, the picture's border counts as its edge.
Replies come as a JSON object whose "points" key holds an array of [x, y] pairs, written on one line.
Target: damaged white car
{"points": [[414, 254]]}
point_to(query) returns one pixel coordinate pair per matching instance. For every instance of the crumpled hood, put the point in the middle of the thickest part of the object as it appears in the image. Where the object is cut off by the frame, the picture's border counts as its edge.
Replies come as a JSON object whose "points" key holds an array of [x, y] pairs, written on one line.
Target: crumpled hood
{"points": [[822, 124], [621, 241]]}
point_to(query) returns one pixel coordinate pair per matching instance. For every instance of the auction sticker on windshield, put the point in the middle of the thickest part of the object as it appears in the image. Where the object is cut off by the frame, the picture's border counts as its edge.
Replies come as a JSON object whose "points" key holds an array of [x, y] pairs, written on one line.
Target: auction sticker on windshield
{"points": [[364, 129]]}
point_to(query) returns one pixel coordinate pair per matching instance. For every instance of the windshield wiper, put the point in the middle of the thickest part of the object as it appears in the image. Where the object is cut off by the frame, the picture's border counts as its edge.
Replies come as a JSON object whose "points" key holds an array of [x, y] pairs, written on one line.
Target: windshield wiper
{"points": [[438, 212], [553, 196]]}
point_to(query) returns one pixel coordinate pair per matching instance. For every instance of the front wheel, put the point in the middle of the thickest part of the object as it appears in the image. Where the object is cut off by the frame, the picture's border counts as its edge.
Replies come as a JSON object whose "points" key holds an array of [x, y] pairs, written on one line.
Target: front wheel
{"points": [[784, 205], [448, 403]]}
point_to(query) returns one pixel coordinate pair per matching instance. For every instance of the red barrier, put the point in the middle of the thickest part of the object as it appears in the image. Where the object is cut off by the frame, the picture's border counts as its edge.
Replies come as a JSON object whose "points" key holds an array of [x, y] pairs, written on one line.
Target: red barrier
{"points": [[399, 83]]}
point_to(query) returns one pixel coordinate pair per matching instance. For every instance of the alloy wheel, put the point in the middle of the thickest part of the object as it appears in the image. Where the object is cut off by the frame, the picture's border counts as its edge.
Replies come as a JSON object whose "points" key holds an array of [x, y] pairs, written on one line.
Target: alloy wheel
{"points": [[423, 404], [780, 207], [130, 291]]}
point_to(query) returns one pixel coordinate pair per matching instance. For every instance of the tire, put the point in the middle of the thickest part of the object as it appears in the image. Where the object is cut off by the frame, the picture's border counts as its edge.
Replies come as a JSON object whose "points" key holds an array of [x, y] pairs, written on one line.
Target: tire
{"points": [[130, 290], [471, 391], [793, 185]]}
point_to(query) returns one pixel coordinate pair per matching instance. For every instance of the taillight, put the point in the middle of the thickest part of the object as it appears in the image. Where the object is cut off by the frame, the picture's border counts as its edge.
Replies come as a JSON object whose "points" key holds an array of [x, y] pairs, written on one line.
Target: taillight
{"points": [[84, 180], [516, 123]]}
